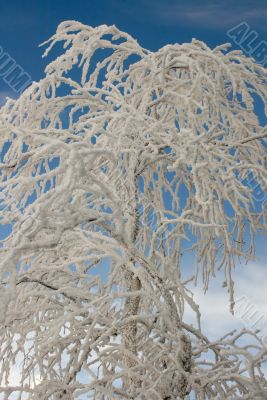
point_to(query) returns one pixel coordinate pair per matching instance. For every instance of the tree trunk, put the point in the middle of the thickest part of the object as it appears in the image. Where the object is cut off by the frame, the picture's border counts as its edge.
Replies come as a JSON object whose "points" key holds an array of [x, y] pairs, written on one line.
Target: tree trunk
{"points": [[130, 329]]}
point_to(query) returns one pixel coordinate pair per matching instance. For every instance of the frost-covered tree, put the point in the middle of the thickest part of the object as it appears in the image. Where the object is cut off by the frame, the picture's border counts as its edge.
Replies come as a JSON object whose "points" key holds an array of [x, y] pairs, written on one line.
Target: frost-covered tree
{"points": [[115, 165]]}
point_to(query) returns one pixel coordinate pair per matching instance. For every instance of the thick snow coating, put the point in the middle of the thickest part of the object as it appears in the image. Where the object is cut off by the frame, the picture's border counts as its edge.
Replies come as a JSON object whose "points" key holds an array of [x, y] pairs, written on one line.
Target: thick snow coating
{"points": [[115, 165]]}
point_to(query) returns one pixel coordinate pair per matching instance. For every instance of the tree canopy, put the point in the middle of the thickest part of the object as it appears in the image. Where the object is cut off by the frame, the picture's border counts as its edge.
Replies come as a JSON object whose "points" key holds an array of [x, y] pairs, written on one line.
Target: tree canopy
{"points": [[114, 165]]}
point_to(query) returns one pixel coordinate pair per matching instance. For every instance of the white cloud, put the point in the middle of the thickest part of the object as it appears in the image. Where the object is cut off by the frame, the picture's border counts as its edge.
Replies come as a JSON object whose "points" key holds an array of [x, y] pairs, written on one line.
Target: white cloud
{"points": [[250, 281], [206, 14]]}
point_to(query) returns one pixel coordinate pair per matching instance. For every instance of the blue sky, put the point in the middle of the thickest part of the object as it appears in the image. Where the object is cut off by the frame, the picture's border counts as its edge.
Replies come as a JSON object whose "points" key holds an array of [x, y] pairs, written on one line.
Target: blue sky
{"points": [[154, 23]]}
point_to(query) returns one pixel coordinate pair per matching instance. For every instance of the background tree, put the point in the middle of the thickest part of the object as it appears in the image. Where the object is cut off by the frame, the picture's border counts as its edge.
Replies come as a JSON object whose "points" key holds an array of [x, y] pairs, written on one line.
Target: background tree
{"points": [[114, 165]]}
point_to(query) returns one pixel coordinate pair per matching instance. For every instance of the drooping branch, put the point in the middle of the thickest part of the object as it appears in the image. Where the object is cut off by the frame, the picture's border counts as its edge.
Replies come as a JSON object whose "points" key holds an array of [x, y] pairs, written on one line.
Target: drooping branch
{"points": [[108, 179]]}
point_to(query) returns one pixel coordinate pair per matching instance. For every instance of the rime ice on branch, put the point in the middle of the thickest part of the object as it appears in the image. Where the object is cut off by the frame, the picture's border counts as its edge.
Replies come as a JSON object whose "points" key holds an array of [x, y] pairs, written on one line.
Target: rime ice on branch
{"points": [[111, 165]]}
